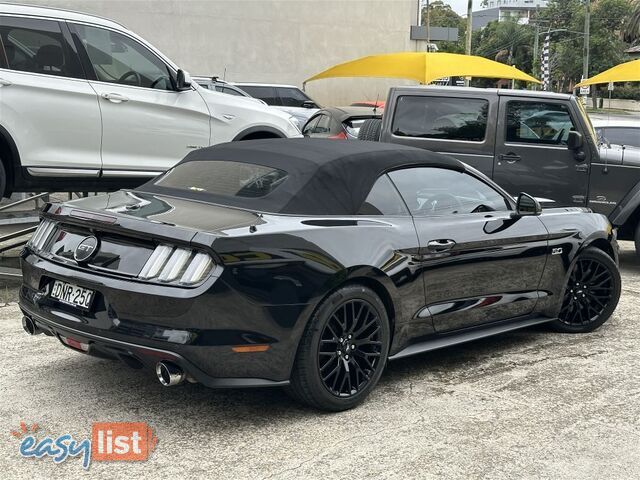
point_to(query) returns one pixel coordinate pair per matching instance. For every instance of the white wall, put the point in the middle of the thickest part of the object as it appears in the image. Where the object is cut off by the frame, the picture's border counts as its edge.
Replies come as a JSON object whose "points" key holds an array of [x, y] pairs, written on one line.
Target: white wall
{"points": [[283, 41]]}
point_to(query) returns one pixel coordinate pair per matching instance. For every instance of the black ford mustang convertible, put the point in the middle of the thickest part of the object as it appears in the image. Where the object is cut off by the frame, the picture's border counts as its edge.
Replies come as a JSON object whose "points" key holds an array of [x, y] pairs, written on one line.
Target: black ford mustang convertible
{"points": [[309, 264]]}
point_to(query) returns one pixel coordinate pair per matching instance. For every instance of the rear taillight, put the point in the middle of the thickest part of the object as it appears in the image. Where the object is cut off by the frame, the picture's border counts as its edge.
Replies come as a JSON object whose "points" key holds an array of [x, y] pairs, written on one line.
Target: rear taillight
{"points": [[41, 235], [340, 136], [184, 266]]}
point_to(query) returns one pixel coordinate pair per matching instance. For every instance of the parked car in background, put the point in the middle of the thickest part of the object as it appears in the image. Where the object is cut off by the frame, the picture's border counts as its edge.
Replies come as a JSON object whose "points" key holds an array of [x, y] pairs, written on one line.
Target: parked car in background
{"points": [[378, 104], [339, 123], [538, 142], [86, 104], [309, 263], [217, 85], [287, 98], [618, 132]]}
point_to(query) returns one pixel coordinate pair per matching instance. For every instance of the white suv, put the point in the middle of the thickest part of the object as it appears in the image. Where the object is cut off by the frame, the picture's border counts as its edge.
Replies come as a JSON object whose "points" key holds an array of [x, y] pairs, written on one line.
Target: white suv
{"points": [[87, 104]]}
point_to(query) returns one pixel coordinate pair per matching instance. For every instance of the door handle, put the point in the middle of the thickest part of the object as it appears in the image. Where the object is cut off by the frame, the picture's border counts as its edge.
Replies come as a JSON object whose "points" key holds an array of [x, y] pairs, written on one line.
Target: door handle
{"points": [[510, 157], [440, 245], [4, 83], [114, 97]]}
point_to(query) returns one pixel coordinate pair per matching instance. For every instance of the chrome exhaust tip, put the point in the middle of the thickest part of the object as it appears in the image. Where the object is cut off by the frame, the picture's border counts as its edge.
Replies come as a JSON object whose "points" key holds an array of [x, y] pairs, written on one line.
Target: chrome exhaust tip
{"points": [[30, 326], [169, 374]]}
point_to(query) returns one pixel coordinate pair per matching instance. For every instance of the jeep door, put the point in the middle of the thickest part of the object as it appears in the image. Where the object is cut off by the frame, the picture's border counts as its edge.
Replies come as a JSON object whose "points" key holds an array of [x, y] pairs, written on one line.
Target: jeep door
{"points": [[46, 104], [458, 124], [479, 263], [148, 126], [532, 154]]}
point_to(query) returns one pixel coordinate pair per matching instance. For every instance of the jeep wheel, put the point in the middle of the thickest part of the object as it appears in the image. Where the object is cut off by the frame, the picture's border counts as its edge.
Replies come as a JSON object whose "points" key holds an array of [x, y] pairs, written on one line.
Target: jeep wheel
{"points": [[370, 130]]}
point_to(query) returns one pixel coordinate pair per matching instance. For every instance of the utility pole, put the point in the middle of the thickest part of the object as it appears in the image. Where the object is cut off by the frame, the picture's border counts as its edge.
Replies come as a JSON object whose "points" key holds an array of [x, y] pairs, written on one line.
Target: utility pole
{"points": [[536, 49], [428, 19], [468, 39], [585, 49]]}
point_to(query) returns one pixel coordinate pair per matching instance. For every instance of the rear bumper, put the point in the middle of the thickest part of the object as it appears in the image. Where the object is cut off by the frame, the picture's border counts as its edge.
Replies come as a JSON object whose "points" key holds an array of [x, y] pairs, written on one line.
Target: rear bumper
{"points": [[197, 329], [139, 356]]}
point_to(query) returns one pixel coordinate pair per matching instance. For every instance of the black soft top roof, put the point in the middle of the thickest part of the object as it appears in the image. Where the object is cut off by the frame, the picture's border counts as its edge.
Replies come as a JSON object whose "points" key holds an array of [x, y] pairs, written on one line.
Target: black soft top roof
{"points": [[326, 177]]}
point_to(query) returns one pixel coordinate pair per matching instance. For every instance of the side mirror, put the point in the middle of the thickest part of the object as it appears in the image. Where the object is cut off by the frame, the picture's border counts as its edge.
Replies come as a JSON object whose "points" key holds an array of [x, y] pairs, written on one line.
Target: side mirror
{"points": [[527, 206], [309, 104], [183, 81], [574, 140]]}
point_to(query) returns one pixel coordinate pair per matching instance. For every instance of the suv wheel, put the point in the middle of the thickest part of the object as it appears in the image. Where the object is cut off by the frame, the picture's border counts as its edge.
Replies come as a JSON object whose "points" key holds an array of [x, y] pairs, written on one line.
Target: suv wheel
{"points": [[343, 350], [591, 295]]}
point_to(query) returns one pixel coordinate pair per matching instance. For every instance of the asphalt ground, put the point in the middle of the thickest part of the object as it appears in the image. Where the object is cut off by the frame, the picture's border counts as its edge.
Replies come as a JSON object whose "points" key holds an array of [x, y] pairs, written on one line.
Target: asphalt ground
{"points": [[528, 404]]}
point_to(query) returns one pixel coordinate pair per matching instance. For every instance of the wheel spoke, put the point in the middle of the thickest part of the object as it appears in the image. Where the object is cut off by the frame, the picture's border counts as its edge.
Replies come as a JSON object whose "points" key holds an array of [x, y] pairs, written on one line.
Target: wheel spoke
{"points": [[350, 348]]}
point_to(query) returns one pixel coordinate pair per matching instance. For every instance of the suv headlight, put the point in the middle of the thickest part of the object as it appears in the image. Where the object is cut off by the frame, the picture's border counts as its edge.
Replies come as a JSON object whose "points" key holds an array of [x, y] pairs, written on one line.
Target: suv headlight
{"points": [[293, 130]]}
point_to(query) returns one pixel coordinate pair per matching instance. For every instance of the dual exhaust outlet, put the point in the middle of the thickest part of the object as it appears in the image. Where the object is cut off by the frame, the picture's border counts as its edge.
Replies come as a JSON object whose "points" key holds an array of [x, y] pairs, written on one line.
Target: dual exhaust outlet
{"points": [[169, 374]]}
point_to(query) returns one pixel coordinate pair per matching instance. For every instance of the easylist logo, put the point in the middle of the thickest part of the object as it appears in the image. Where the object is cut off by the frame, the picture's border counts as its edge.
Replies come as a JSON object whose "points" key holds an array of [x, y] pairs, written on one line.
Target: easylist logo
{"points": [[121, 441], [110, 441]]}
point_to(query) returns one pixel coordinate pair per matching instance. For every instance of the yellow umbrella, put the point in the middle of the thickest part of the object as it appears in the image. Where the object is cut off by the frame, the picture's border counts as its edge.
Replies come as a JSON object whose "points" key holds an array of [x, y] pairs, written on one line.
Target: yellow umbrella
{"points": [[424, 67], [625, 72]]}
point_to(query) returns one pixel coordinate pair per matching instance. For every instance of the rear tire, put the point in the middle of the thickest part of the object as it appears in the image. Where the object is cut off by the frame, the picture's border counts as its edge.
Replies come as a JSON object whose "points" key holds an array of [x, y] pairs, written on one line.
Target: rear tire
{"points": [[591, 295], [637, 239], [370, 130], [343, 350]]}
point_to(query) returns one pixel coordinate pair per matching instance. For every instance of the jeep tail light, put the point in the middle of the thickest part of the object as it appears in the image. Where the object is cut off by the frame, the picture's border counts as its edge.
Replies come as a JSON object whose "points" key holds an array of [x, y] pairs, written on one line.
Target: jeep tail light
{"points": [[168, 264]]}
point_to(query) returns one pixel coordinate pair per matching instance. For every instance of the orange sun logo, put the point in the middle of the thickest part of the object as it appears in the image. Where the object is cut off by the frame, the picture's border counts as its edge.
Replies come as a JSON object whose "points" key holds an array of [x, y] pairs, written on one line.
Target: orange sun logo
{"points": [[24, 430]]}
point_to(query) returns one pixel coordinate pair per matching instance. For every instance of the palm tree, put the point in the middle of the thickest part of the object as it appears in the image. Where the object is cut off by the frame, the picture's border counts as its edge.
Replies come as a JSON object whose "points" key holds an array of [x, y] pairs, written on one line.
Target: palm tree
{"points": [[632, 29]]}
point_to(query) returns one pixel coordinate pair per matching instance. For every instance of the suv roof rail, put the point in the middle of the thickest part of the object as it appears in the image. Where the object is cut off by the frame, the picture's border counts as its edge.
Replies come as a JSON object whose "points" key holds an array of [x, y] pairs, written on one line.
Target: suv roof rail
{"points": [[64, 10]]}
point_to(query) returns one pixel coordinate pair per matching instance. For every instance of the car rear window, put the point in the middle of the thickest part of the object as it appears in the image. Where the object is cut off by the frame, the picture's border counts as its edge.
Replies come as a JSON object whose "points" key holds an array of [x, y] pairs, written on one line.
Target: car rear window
{"points": [[441, 117], [227, 179]]}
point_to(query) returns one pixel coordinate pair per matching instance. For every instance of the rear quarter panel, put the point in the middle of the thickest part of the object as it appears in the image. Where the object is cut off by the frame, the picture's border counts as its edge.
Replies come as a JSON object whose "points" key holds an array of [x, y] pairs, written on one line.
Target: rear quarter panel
{"points": [[296, 262]]}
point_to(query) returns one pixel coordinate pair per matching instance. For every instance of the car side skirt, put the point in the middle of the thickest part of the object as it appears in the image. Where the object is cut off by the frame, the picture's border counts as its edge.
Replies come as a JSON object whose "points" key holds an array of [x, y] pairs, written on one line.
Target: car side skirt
{"points": [[467, 335]]}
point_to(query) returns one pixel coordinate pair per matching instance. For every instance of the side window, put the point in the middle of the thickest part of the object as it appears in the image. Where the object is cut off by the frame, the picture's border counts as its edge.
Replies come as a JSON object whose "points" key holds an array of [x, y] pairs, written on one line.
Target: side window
{"points": [[440, 191], [231, 91], [119, 59], [292, 97], [323, 125], [266, 94], [383, 199], [38, 46], [538, 122], [311, 124], [440, 117]]}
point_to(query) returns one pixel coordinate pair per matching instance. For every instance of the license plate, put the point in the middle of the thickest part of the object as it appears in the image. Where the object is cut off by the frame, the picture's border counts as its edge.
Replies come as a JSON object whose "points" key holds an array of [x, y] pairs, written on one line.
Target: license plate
{"points": [[72, 294]]}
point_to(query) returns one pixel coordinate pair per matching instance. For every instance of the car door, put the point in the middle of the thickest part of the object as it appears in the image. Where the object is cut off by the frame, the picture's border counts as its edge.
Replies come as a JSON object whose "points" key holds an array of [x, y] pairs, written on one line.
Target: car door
{"points": [[532, 154], [147, 125], [479, 263], [46, 104]]}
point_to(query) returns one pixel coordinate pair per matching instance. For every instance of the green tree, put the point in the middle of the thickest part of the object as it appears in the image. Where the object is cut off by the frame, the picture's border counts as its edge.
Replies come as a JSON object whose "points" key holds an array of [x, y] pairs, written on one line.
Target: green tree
{"points": [[442, 15], [507, 42], [565, 19], [632, 28]]}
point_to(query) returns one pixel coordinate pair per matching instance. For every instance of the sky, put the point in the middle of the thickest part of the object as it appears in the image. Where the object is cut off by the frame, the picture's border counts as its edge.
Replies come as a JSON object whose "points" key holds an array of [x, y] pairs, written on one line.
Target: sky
{"points": [[460, 6]]}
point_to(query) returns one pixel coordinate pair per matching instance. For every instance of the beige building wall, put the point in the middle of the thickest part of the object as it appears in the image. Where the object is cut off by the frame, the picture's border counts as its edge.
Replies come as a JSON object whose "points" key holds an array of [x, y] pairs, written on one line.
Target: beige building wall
{"points": [[283, 41]]}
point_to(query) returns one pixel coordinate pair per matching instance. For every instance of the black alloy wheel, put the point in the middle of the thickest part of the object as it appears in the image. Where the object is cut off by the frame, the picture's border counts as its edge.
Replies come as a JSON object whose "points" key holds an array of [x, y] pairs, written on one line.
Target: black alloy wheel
{"points": [[350, 348], [343, 350], [592, 292]]}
